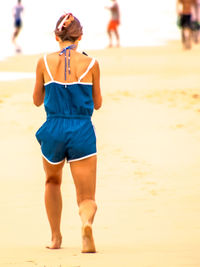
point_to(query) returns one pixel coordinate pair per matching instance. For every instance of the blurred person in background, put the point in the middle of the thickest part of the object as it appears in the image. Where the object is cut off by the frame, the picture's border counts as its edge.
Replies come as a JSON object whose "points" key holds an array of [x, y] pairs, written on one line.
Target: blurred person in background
{"points": [[17, 14], [114, 23], [196, 22], [184, 11]]}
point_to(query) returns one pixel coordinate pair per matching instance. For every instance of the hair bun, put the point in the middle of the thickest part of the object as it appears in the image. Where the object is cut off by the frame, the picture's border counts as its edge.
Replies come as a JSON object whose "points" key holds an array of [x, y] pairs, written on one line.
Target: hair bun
{"points": [[69, 19], [66, 21]]}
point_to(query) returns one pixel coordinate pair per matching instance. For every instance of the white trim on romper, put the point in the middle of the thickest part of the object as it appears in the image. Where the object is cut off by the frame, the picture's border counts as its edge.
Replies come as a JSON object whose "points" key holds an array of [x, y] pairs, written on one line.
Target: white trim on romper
{"points": [[53, 163], [88, 156], [56, 163], [79, 80], [67, 83], [88, 69], [47, 67]]}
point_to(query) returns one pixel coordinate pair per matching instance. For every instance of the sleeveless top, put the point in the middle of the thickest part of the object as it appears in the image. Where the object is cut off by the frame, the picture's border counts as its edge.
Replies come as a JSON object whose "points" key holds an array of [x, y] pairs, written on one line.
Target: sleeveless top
{"points": [[17, 11], [68, 100]]}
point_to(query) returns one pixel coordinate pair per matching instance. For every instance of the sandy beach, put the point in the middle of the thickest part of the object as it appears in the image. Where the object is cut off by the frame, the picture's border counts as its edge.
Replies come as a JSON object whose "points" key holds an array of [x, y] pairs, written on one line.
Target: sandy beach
{"points": [[148, 182]]}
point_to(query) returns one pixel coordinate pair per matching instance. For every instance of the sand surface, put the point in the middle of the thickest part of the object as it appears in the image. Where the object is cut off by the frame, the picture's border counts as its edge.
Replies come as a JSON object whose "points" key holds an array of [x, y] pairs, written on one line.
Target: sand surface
{"points": [[148, 165]]}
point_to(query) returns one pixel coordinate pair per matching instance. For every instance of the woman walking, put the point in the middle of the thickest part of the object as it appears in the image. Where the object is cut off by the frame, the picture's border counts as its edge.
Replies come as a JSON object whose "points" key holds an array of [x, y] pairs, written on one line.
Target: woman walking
{"points": [[68, 83]]}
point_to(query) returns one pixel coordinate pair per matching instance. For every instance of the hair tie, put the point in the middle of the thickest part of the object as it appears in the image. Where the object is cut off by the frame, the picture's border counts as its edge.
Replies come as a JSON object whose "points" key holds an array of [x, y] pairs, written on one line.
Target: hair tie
{"points": [[68, 18]]}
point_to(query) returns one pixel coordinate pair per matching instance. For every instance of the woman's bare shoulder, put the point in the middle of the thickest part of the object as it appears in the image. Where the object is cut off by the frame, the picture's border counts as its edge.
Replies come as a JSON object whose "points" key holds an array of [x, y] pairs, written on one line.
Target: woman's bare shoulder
{"points": [[47, 55], [83, 56], [40, 62], [53, 55]]}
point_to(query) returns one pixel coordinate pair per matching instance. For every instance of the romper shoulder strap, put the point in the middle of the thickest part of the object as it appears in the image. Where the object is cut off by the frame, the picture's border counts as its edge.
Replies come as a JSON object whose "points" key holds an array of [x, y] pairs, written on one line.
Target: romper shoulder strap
{"points": [[89, 67], [47, 67]]}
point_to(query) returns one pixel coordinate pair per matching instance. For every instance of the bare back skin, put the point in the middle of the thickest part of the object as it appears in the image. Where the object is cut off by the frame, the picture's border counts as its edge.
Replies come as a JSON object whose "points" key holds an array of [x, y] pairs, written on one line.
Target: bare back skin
{"points": [[78, 65]]}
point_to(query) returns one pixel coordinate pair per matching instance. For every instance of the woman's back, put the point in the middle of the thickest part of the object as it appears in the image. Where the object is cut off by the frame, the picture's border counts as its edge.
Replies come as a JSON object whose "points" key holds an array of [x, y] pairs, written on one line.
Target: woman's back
{"points": [[71, 97]]}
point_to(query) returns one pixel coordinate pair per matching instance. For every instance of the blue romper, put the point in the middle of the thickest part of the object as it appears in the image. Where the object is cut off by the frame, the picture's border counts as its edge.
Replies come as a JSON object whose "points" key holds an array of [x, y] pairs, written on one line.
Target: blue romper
{"points": [[68, 132]]}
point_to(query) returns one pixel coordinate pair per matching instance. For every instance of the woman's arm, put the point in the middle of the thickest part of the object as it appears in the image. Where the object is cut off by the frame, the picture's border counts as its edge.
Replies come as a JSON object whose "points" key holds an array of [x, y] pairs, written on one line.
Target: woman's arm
{"points": [[39, 92], [96, 93]]}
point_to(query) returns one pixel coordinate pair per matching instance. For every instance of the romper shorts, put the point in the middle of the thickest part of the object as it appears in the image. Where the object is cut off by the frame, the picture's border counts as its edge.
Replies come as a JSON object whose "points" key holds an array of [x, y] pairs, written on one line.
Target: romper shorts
{"points": [[67, 138]]}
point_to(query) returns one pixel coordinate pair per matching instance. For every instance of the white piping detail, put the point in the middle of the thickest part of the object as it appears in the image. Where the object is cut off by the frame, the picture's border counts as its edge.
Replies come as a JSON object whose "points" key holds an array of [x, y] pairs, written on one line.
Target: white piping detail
{"points": [[53, 163], [67, 83], [47, 67], [88, 156], [89, 67]]}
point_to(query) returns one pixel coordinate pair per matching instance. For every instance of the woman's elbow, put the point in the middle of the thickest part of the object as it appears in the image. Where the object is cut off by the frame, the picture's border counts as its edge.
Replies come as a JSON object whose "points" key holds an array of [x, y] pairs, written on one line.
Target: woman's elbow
{"points": [[37, 102], [98, 104]]}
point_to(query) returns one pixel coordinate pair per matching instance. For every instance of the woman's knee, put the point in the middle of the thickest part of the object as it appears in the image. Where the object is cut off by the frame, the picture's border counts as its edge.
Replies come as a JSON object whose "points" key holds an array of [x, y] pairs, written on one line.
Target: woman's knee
{"points": [[53, 179]]}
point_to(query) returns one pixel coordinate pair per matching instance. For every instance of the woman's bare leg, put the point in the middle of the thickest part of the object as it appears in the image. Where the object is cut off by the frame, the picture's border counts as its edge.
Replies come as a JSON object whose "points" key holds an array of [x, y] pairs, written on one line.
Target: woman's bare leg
{"points": [[53, 200], [84, 175]]}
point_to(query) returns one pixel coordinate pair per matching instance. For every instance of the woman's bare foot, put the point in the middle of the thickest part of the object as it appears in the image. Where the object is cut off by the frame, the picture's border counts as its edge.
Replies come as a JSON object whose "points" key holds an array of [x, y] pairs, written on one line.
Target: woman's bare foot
{"points": [[87, 239], [55, 243]]}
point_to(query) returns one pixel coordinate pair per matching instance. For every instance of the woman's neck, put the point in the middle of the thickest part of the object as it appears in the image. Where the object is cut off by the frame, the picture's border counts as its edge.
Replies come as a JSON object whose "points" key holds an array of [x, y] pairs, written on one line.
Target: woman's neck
{"points": [[67, 43]]}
